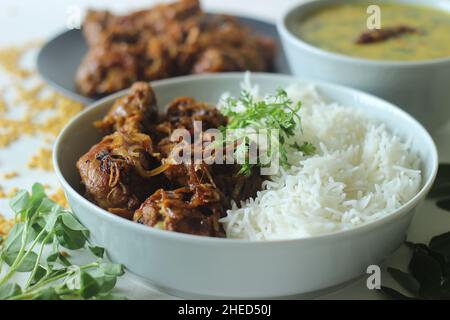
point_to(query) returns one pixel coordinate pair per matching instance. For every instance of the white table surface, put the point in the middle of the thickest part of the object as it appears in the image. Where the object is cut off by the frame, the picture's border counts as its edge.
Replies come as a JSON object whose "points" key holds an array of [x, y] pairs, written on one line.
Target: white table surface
{"points": [[24, 20]]}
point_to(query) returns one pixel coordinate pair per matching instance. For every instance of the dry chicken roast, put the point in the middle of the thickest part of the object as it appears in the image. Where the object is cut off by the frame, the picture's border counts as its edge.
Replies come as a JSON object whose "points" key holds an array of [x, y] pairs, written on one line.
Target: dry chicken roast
{"points": [[131, 171], [165, 41]]}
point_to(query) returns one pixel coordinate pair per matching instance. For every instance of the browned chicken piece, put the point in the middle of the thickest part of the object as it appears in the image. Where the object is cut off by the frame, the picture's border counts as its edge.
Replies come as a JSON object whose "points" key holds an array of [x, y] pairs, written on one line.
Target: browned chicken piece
{"points": [[134, 112], [161, 16], [236, 187], [115, 173], [231, 185], [106, 69], [176, 211], [158, 61], [183, 111], [181, 114], [133, 172], [100, 26], [224, 177], [94, 25], [226, 45], [194, 209], [165, 41]]}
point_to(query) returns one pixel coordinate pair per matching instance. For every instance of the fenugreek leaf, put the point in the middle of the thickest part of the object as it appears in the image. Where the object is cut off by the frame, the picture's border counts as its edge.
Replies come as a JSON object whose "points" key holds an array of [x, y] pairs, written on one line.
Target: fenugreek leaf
{"points": [[37, 195], [48, 293], [39, 274], [88, 285], [97, 251], [53, 276], [48, 206], [71, 239], [106, 283], [9, 290], [14, 239], [20, 202], [27, 263], [72, 223], [112, 269], [110, 296]]}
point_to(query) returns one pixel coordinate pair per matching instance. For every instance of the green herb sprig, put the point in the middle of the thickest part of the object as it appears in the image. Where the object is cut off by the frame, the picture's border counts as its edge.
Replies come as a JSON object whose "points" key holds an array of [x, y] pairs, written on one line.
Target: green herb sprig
{"points": [[273, 113], [35, 245]]}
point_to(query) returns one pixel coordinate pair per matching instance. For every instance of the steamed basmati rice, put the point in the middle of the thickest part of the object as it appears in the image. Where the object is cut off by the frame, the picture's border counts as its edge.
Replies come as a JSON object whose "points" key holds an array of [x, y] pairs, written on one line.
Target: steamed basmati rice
{"points": [[360, 172]]}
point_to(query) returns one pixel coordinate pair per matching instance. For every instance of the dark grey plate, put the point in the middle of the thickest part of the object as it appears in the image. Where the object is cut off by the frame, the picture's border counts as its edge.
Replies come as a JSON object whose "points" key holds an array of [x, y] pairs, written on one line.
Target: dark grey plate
{"points": [[58, 60]]}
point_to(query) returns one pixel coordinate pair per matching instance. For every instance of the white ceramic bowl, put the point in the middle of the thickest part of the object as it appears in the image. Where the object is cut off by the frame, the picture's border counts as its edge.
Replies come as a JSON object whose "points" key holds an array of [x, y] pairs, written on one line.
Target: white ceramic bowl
{"points": [[421, 87], [195, 266]]}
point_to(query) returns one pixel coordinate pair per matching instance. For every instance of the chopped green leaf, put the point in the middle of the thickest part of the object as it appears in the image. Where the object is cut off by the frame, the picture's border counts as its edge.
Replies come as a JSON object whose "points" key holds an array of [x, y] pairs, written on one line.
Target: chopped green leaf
{"points": [[306, 148], [273, 114]]}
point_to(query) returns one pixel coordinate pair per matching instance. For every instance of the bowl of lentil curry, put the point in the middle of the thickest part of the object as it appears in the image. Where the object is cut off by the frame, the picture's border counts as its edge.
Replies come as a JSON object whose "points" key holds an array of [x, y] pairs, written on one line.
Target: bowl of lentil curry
{"points": [[403, 57]]}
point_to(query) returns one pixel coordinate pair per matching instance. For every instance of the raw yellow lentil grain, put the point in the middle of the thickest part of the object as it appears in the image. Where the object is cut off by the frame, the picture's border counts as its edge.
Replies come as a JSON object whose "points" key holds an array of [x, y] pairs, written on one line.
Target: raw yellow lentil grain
{"points": [[43, 113], [41, 160], [10, 60], [5, 226], [60, 198], [11, 193], [10, 175], [3, 105], [34, 99]]}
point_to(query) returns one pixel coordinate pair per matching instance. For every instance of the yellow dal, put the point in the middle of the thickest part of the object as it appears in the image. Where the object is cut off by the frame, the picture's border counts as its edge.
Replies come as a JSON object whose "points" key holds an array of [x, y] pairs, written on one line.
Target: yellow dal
{"points": [[336, 27]]}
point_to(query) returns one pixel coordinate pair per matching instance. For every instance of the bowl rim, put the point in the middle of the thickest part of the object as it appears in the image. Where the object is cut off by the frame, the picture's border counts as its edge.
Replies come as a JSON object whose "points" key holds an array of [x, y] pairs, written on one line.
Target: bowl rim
{"points": [[288, 35], [105, 215]]}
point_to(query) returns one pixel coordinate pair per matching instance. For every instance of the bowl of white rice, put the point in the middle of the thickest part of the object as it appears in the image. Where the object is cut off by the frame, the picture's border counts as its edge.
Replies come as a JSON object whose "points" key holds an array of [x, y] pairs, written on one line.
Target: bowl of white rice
{"points": [[316, 224]]}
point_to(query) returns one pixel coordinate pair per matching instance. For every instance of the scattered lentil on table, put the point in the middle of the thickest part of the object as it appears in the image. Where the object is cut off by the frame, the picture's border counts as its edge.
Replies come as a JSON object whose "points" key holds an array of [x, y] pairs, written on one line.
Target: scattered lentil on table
{"points": [[42, 113]]}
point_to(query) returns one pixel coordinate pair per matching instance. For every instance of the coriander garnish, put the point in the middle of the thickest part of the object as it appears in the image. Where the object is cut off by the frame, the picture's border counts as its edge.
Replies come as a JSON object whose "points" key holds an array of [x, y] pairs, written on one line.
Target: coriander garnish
{"points": [[276, 112]]}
